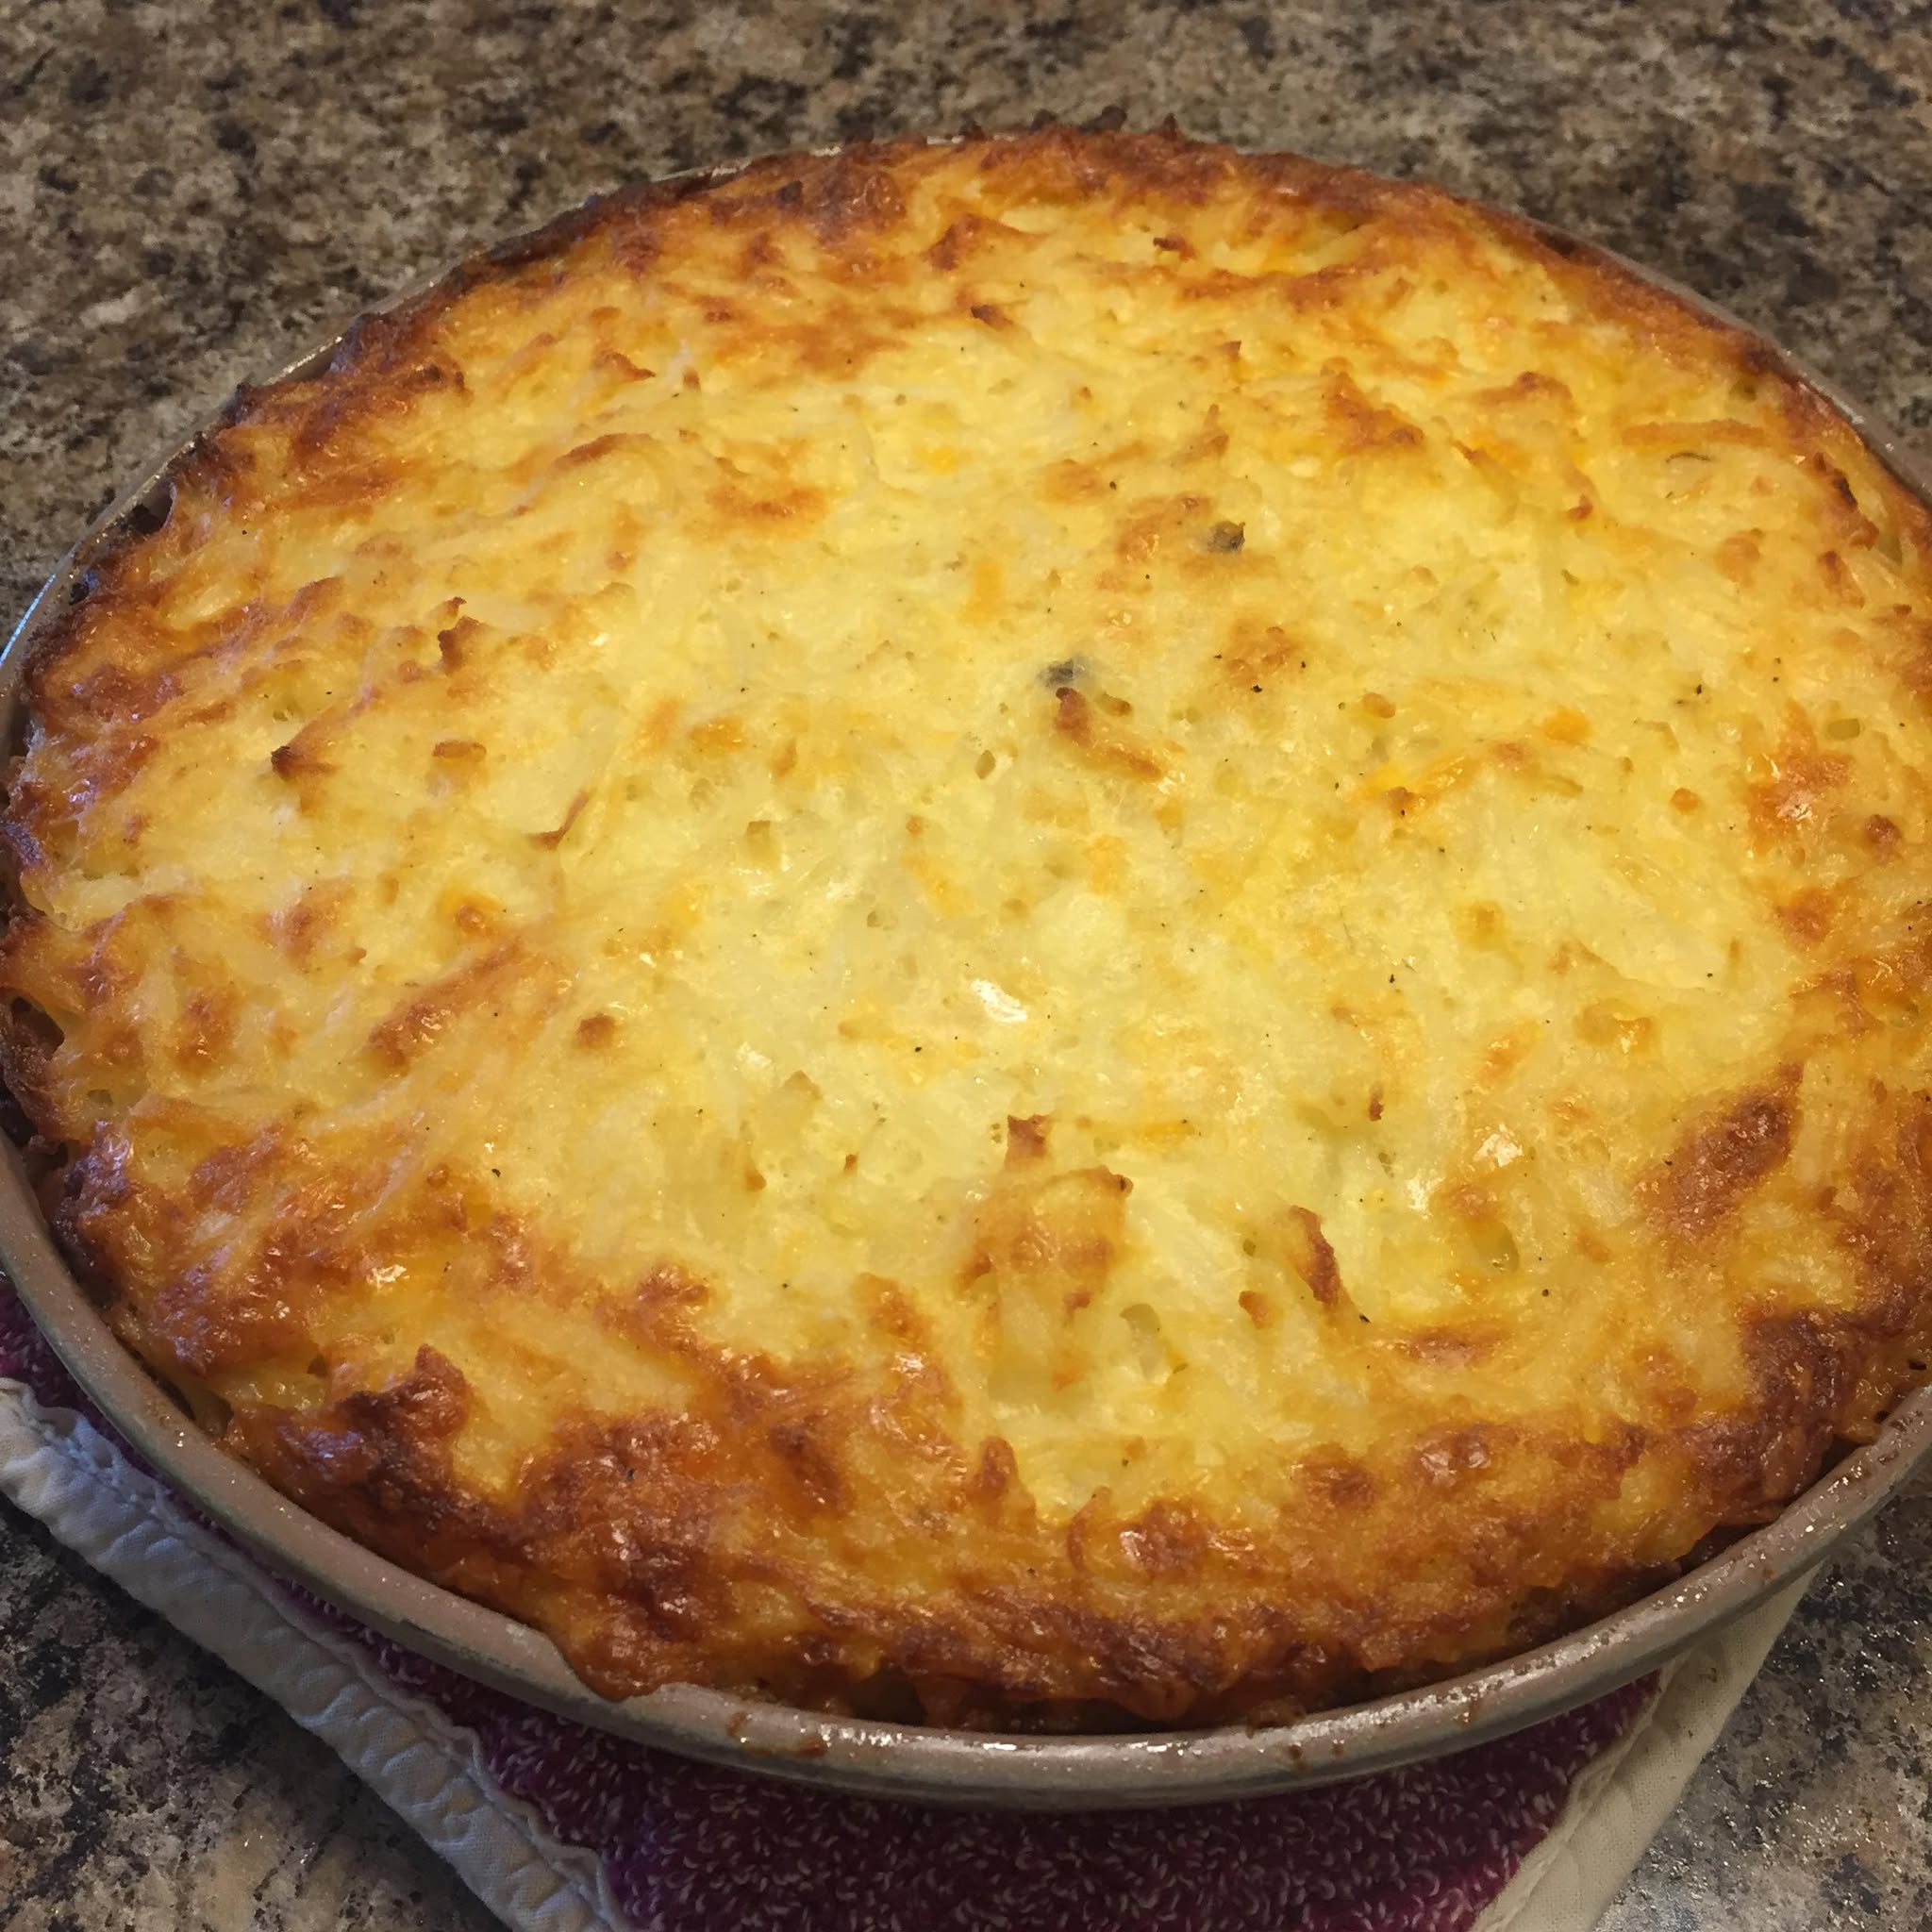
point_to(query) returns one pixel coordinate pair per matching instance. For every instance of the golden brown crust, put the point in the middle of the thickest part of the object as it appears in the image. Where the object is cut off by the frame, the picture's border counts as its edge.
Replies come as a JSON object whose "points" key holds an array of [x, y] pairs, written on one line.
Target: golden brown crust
{"points": [[1515, 1259]]}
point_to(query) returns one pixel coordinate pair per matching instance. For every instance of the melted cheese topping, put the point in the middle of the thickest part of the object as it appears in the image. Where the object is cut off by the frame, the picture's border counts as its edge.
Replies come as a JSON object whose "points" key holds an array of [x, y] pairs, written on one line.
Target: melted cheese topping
{"points": [[1216, 790]]}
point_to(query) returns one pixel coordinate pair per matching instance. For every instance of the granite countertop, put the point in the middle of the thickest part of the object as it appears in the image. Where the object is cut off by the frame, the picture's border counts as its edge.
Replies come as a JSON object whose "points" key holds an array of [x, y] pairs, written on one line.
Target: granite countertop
{"points": [[191, 191]]}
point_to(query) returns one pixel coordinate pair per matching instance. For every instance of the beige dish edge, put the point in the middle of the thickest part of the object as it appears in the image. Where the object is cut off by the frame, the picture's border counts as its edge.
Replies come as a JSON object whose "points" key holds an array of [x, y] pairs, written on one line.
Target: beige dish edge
{"points": [[897, 1760]]}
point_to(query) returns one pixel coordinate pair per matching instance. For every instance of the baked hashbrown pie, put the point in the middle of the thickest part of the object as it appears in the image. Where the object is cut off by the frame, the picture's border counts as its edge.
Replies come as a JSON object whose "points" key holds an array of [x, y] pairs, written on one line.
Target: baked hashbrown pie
{"points": [[1056, 930]]}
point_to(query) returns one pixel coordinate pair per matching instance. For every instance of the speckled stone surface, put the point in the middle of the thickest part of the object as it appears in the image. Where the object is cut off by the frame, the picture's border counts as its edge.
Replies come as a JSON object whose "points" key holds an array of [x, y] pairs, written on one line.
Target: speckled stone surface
{"points": [[190, 191]]}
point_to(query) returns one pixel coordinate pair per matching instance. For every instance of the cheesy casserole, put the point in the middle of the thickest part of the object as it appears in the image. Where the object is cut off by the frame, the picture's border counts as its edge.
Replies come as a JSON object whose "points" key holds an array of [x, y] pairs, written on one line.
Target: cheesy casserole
{"points": [[1065, 931]]}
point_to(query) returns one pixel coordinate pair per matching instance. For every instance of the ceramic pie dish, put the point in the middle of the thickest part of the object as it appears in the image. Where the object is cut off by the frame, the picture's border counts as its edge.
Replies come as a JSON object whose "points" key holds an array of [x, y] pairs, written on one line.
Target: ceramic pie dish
{"points": [[1329, 1340]]}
